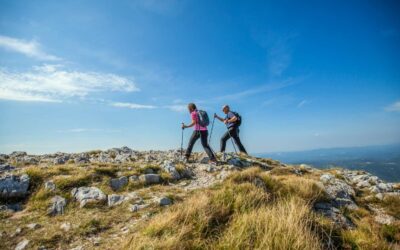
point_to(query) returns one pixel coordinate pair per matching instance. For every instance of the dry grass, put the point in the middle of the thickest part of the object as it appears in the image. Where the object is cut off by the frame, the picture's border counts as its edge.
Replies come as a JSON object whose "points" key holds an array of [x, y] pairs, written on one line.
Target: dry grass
{"points": [[284, 225], [240, 214]]}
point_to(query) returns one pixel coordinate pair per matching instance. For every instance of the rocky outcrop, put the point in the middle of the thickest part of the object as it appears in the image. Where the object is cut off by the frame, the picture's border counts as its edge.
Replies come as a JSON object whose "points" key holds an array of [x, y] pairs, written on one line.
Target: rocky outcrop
{"points": [[14, 186], [340, 193]]}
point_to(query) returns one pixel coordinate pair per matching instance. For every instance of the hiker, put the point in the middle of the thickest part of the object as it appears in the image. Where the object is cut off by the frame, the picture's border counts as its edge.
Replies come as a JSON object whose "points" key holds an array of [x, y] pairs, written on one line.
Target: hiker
{"points": [[232, 121], [199, 132]]}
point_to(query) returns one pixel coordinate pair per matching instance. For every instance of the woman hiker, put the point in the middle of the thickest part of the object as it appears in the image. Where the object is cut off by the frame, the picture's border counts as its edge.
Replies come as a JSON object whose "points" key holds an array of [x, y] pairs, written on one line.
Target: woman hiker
{"points": [[199, 132]]}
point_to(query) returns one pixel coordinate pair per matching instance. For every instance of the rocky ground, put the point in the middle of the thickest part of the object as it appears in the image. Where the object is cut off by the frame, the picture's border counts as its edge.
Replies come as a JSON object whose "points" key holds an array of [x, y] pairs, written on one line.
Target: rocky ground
{"points": [[97, 199]]}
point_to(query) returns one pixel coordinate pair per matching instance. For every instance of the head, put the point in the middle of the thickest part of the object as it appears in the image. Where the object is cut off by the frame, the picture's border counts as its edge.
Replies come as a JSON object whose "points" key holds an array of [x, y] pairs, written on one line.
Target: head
{"points": [[226, 109], [192, 107]]}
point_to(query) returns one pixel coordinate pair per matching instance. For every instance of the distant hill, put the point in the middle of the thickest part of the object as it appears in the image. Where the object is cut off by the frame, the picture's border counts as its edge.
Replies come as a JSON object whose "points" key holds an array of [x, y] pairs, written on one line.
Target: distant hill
{"points": [[383, 161]]}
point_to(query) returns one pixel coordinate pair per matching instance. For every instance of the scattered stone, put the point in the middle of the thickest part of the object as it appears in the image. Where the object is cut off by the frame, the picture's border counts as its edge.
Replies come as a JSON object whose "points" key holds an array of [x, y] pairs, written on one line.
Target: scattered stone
{"points": [[22, 244], [66, 226], [50, 186], [115, 199], [57, 205], [33, 226], [85, 195], [204, 160], [60, 158], [170, 168], [164, 201], [13, 186], [136, 207], [82, 159], [327, 209], [326, 178], [149, 179], [6, 168], [118, 183], [363, 184], [18, 231], [133, 178]]}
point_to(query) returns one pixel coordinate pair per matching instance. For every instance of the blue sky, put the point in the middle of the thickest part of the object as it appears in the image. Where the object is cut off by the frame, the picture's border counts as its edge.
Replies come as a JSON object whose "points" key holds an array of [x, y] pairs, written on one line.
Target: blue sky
{"points": [[81, 75]]}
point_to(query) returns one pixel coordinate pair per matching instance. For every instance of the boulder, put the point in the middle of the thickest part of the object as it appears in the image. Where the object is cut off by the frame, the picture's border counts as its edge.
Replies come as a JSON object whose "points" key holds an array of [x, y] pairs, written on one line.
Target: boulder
{"points": [[133, 178], [149, 179], [170, 168], [13, 186], [115, 199], [81, 158], [33, 226], [66, 226], [340, 193], [136, 207], [22, 245], [57, 205], [6, 168], [118, 183], [60, 160], [327, 209], [164, 201], [50, 186], [85, 195]]}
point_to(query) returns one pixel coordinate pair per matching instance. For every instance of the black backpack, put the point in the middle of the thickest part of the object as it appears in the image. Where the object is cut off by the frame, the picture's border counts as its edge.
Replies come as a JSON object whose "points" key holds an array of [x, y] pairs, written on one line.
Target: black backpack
{"points": [[239, 119], [204, 121]]}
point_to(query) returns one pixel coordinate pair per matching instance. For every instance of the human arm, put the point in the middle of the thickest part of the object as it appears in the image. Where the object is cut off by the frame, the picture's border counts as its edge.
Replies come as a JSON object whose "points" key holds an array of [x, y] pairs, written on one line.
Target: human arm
{"points": [[219, 118], [190, 125]]}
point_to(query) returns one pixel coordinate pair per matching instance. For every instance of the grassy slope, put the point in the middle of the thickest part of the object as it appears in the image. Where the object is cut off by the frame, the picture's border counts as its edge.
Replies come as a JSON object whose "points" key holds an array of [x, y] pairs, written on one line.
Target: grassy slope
{"points": [[251, 209], [257, 210]]}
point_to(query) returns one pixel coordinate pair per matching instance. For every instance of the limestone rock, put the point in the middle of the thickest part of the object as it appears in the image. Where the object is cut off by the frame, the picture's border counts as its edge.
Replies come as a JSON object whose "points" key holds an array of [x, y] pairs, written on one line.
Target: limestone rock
{"points": [[13, 186], [149, 179], [57, 205], [115, 199], [50, 185], [170, 168], [118, 183], [22, 245], [164, 201], [85, 195]]}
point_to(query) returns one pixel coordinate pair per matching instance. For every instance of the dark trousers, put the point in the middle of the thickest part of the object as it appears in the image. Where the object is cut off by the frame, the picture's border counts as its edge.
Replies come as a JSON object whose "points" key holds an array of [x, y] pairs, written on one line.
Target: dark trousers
{"points": [[234, 133], [203, 135]]}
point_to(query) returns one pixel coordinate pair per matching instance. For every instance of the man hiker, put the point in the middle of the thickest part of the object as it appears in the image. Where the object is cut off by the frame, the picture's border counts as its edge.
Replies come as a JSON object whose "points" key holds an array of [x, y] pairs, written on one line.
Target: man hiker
{"points": [[200, 131], [232, 121]]}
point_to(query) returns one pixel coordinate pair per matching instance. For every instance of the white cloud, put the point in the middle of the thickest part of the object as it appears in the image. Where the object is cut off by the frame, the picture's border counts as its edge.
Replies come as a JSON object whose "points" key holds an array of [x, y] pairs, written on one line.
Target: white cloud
{"points": [[51, 83], [395, 107], [177, 108], [131, 105], [28, 48]]}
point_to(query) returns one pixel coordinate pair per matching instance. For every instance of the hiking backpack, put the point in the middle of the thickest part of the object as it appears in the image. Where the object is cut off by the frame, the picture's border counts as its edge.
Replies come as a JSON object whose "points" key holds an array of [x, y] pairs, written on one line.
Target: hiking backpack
{"points": [[239, 119], [204, 121]]}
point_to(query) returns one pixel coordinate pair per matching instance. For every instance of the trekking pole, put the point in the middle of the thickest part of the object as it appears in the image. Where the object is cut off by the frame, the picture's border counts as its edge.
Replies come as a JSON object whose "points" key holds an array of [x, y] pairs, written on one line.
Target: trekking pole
{"points": [[212, 127], [233, 144], [182, 143]]}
